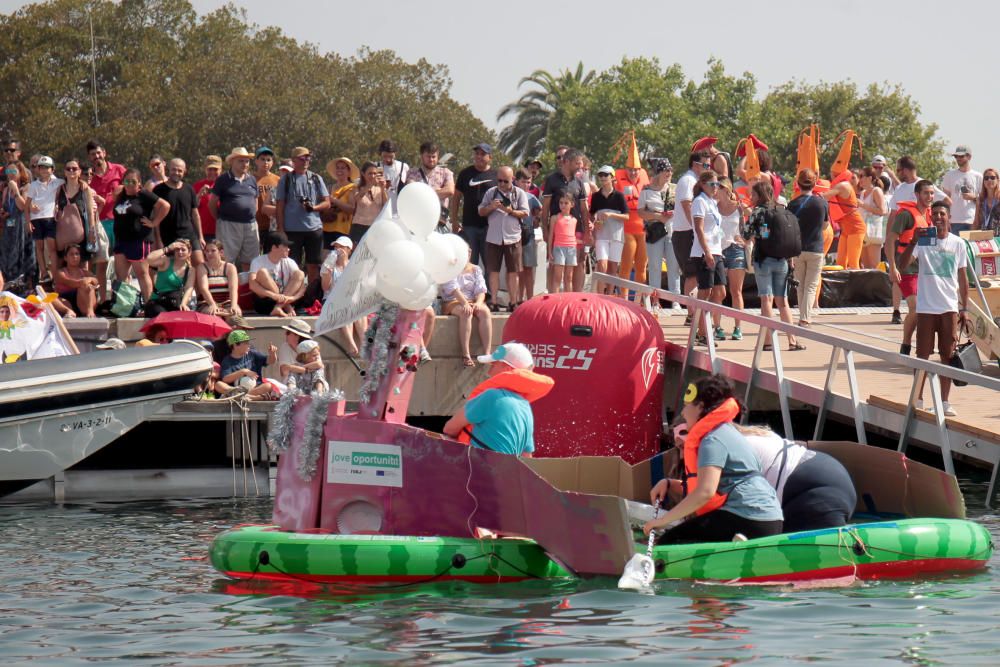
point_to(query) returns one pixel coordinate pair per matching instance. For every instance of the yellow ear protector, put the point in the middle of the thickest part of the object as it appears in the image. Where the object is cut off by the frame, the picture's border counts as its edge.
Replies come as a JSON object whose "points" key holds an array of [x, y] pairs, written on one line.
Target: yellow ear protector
{"points": [[691, 393]]}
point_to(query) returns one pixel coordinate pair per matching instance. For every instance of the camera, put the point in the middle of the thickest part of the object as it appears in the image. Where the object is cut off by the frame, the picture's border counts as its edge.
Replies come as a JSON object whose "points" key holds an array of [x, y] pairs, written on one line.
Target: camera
{"points": [[306, 203], [504, 199]]}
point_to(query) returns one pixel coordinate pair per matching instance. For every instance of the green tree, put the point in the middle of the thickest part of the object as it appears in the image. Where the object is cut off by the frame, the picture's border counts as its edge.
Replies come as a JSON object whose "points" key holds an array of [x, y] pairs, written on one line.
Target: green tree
{"points": [[172, 82], [884, 116], [533, 112]]}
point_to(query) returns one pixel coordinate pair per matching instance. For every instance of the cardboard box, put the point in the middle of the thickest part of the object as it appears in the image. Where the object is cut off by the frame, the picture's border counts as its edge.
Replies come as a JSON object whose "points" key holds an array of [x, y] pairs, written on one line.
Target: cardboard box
{"points": [[606, 475], [889, 483], [977, 234]]}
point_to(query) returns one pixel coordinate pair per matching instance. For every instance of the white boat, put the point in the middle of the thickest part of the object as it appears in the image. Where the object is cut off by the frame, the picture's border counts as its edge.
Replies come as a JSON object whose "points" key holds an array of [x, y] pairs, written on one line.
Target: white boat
{"points": [[56, 412]]}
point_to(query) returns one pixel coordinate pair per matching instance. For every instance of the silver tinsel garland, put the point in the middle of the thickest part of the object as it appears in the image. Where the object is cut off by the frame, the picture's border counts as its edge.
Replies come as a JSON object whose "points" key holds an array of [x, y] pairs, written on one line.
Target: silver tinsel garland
{"points": [[376, 348], [312, 435], [280, 434]]}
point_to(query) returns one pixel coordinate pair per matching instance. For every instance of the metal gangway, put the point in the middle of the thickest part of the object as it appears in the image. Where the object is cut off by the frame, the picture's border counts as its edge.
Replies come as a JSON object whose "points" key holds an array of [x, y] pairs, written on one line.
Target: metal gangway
{"points": [[843, 356]]}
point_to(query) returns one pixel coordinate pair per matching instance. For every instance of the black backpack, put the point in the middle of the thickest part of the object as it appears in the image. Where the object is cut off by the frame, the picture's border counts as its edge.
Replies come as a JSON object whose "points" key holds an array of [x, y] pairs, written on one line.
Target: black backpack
{"points": [[784, 240]]}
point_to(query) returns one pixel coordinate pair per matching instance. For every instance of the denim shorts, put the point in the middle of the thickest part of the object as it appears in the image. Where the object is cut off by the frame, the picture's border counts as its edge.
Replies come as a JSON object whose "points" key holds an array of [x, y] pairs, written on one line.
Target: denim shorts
{"points": [[736, 257], [563, 256], [772, 277]]}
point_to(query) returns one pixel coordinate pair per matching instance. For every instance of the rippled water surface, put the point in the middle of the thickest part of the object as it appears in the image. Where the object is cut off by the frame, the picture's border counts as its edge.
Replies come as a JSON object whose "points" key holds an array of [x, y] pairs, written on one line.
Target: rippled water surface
{"points": [[131, 583]]}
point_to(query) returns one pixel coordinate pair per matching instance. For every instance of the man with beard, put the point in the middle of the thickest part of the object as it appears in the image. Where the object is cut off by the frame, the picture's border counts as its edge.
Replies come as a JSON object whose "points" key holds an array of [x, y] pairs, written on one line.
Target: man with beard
{"points": [[183, 220]]}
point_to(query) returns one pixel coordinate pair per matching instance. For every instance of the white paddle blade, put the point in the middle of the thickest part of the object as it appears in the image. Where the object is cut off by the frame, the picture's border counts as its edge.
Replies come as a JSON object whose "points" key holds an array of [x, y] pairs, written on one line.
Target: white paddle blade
{"points": [[638, 574]]}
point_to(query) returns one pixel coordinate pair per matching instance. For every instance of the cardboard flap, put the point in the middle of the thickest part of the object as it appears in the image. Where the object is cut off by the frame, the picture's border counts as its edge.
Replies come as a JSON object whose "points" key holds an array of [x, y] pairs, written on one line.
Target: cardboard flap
{"points": [[416, 483], [887, 482]]}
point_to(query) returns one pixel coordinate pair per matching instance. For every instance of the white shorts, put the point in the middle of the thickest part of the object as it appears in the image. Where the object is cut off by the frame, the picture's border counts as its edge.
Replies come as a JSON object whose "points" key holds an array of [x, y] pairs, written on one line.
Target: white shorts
{"points": [[610, 251]]}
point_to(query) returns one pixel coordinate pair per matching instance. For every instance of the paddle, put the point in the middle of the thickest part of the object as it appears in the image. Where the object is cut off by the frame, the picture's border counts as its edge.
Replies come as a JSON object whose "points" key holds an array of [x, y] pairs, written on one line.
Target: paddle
{"points": [[640, 569]]}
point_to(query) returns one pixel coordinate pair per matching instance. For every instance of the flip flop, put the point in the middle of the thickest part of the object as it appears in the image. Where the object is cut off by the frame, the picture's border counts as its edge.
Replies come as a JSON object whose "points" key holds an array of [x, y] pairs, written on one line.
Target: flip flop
{"points": [[796, 347], [468, 362]]}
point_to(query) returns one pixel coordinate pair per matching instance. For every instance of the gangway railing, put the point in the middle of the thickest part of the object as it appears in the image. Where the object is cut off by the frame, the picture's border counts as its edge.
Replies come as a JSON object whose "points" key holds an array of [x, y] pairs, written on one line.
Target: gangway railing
{"points": [[844, 351]]}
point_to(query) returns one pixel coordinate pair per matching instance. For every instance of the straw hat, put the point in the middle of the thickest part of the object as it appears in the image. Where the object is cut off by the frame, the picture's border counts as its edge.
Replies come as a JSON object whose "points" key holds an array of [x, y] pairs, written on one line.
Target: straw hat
{"points": [[331, 168], [239, 151]]}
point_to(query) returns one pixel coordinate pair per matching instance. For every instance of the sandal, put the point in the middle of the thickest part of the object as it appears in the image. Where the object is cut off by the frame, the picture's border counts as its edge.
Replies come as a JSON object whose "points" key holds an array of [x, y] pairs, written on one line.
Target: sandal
{"points": [[468, 362], [796, 347], [767, 347]]}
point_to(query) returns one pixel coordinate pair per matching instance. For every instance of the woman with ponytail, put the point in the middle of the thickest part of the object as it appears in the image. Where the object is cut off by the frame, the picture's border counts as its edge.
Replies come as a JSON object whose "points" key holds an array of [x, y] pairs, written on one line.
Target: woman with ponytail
{"points": [[724, 496]]}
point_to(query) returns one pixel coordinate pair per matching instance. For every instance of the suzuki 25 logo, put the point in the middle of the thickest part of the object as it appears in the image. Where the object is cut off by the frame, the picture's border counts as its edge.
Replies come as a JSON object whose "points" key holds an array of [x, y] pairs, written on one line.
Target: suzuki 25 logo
{"points": [[562, 357]]}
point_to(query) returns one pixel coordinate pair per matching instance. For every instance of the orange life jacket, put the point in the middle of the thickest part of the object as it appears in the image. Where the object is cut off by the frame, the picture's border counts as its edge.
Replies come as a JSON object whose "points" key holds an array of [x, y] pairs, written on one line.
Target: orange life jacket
{"points": [[723, 414], [527, 384], [919, 221], [844, 210]]}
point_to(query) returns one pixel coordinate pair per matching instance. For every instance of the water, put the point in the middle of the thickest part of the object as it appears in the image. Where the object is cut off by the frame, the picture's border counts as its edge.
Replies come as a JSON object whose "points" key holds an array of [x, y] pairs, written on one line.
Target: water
{"points": [[130, 582]]}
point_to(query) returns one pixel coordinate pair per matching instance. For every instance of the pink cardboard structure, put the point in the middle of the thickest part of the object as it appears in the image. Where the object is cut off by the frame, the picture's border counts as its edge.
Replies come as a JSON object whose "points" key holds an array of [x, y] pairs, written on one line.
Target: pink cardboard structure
{"points": [[390, 400]]}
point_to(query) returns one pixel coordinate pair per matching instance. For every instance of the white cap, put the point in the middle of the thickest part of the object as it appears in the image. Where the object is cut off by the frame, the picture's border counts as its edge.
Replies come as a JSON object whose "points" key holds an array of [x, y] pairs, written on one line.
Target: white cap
{"points": [[344, 242], [111, 344], [879, 159], [513, 354], [306, 346]]}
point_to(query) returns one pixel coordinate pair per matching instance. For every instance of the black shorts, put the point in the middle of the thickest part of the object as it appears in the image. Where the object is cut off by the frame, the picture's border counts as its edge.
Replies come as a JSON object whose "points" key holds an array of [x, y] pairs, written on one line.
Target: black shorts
{"points": [[263, 305], [709, 278], [311, 242], [191, 235], [682, 241]]}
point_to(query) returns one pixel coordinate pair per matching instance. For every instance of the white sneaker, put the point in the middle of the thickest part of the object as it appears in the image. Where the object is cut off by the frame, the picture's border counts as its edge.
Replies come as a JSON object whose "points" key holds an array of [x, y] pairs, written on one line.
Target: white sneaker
{"points": [[425, 356], [949, 411]]}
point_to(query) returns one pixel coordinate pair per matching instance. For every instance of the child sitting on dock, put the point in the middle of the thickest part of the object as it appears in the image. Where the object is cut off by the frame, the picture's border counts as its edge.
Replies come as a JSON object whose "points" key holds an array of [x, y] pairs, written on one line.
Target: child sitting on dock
{"points": [[242, 368], [307, 377]]}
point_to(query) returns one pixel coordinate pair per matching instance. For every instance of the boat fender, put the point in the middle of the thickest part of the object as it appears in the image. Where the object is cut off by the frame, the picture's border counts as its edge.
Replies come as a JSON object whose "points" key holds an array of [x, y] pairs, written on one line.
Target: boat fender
{"points": [[264, 558]]}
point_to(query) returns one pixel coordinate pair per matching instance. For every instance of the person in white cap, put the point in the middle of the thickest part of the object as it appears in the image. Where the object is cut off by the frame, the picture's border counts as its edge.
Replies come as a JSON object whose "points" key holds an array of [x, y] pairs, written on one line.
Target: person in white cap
{"points": [[962, 184], [296, 331], [498, 413], [329, 273], [881, 166], [308, 374]]}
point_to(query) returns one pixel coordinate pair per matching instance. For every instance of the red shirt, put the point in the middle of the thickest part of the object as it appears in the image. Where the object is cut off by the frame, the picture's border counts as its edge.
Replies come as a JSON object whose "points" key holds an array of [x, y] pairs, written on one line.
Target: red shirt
{"points": [[207, 219], [105, 187]]}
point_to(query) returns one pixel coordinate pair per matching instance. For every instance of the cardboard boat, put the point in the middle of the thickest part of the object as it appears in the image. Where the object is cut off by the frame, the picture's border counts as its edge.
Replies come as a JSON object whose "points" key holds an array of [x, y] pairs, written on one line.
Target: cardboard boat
{"points": [[390, 504]]}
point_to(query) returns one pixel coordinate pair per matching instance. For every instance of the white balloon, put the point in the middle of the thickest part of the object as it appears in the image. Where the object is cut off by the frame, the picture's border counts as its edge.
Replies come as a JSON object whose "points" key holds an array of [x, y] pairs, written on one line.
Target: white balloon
{"points": [[415, 295], [440, 257], [422, 301], [400, 262], [384, 231], [460, 249], [419, 208]]}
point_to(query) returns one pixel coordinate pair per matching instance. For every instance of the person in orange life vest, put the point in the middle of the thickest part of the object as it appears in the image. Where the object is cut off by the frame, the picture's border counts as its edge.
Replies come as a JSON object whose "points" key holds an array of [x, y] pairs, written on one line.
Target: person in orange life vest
{"points": [[725, 493], [498, 415], [908, 218], [845, 211]]}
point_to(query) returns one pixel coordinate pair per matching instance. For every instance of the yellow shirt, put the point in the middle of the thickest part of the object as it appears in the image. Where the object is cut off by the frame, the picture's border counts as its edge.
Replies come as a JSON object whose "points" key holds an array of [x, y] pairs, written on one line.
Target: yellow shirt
{"points": [[342, 223]]}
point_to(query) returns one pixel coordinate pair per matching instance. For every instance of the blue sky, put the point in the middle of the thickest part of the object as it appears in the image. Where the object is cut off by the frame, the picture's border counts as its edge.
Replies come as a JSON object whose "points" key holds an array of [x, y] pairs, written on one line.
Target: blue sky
{"points": [[941, 53]]}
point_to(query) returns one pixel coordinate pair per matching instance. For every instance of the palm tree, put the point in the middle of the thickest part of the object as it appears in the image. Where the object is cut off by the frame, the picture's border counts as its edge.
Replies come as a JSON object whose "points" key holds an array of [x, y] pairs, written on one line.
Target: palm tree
{"points": [[533, 112]]}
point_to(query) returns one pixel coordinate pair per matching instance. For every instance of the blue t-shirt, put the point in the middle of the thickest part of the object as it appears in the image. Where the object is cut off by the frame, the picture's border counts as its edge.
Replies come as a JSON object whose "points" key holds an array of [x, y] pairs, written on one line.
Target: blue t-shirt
{"points": [[254, 360], [308, 185], [237, 199], [502, 420], [750, 495]]}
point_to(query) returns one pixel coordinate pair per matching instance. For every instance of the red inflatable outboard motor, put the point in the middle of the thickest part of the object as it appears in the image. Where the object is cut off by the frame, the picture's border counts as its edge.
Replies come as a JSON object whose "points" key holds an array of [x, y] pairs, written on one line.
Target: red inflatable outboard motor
{"points": [[606, 357]]}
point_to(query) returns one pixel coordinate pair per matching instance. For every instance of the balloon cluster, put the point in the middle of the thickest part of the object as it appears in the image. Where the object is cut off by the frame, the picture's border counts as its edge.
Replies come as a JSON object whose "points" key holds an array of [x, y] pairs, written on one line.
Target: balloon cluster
{"points": [[411, 258]]}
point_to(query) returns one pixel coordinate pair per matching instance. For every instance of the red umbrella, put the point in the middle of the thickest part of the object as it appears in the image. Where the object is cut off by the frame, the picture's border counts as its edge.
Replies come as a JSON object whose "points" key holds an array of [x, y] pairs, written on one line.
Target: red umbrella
{"points": [[189, 324]]}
